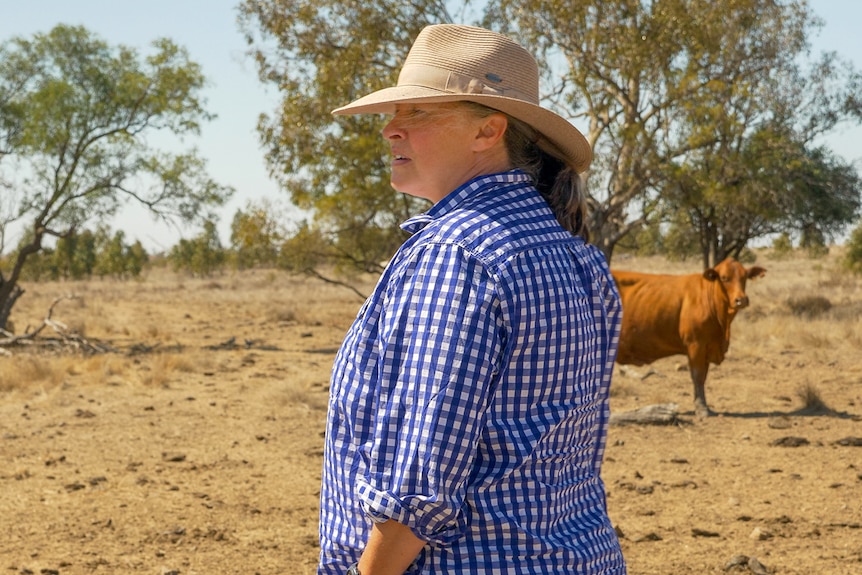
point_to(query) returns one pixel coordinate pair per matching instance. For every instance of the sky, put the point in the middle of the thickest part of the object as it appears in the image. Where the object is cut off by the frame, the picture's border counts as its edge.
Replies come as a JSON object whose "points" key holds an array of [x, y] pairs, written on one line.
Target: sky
{"points": [[230, 144]]}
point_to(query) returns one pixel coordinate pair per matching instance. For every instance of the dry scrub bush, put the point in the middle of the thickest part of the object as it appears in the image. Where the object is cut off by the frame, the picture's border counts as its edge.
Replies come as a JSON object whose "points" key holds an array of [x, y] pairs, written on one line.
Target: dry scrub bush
{"points": [[296, 395], [822, 338], [23, 372], [809, 306], [282, 315], [26, 371], [158, 369], [811, 400]]}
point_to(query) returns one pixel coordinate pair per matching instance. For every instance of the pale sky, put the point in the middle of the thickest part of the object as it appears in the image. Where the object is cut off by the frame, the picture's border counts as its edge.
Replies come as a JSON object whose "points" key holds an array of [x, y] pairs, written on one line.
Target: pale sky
{"points": [[208, 29]]}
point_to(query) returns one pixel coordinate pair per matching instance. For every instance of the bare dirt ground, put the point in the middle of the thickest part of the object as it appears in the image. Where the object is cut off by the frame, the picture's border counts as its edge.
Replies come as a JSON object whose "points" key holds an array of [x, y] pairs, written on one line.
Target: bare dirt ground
{"points": [[196, 446]]}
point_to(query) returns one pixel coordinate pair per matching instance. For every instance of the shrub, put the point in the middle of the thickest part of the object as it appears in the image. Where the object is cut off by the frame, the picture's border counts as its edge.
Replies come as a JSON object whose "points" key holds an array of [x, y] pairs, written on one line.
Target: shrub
{"points": [[782, 246], [809, 306], [747, 256], [812, 402], [853, 255]]}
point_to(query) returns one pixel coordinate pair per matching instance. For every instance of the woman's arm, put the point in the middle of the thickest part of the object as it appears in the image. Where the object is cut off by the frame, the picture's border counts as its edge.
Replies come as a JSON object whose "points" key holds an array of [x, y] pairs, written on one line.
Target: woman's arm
{"points": [[391, 548]]}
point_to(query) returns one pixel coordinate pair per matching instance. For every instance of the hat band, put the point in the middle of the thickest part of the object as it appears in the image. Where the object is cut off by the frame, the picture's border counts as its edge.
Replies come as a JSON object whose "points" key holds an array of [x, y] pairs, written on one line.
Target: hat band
{"points": [[455, 83]]}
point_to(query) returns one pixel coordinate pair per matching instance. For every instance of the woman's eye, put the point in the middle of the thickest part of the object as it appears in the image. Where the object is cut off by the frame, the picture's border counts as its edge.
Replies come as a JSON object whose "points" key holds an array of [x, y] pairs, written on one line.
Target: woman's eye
{"points": [[411, 114]]}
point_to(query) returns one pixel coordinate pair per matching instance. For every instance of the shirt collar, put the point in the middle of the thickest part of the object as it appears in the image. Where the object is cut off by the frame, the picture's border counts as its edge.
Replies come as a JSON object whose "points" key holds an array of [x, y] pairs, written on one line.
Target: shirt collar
{"points": [[460, 195]]}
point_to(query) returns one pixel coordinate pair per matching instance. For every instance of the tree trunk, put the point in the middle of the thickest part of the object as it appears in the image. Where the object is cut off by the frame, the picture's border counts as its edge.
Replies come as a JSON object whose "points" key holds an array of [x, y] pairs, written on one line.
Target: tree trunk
{"points": [[10, 291], [9, 294]]}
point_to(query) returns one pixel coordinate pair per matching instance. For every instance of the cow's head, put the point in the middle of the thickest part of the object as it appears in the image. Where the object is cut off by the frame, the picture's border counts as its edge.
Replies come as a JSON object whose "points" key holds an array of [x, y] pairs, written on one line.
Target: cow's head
{"points": [[733, 276]]}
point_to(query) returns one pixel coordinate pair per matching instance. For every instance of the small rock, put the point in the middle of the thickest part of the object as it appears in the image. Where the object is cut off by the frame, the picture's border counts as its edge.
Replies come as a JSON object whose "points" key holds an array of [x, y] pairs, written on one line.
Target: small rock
{"points": [[850, 442], [759, 534], [789, 441], [174, 457], [652, 536], [782, 422], [757, 567], [736, 561]]}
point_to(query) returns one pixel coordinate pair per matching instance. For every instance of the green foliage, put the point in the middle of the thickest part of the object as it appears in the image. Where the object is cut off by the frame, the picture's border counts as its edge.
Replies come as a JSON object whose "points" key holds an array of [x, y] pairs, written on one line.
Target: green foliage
{"points": [[321, 54], [117, 259], [746, 256], [761, 183], [200, 256], [647, 240], [782, 246], [853, 256], [671, 104], [76, 116], [680, 243], [136, 259], [306, 250], [683, 116], [41, 267], [79, 256], [256, 235]]}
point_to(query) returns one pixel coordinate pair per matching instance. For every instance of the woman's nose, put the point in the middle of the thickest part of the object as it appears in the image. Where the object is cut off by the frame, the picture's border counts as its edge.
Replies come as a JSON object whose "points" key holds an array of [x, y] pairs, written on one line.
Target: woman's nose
{"points": [[392, 130]]}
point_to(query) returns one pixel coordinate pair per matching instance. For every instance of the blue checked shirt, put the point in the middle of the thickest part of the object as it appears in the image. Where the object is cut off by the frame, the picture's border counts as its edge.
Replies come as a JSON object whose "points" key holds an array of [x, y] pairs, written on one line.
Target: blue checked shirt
{"points": [[469, 400]]}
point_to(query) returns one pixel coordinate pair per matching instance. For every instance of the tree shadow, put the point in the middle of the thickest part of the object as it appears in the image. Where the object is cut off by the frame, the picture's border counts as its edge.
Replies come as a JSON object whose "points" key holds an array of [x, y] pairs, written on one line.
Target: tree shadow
{"points": [[816, 411]]}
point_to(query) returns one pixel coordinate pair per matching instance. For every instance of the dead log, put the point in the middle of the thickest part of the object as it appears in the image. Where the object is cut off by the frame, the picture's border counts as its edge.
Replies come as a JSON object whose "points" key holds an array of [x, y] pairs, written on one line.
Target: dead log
{"points": [[659, 414], [65, 337]]}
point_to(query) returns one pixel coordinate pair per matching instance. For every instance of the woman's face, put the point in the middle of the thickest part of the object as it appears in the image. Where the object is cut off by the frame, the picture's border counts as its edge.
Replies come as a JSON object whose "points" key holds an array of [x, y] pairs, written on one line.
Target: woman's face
{"points": [[436, 148]]}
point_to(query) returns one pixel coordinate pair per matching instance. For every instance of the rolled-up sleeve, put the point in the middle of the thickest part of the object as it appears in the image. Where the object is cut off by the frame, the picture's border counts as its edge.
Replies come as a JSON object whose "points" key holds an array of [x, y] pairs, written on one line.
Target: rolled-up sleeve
{"points": [[440, 344]]}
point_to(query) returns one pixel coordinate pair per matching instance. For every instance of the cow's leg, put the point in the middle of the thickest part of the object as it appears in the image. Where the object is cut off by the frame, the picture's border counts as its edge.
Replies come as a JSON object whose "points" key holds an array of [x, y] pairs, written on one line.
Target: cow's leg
{"points": [[698, 370]]}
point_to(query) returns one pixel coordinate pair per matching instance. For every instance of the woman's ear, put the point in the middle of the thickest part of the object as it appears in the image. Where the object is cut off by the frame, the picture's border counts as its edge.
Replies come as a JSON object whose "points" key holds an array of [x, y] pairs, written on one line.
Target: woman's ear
{"points": [[491, 130]]}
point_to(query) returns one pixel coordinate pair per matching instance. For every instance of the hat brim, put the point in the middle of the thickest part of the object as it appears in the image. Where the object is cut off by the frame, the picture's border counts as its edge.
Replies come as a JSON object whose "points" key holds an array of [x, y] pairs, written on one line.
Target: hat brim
{"points": [[559, 137]]}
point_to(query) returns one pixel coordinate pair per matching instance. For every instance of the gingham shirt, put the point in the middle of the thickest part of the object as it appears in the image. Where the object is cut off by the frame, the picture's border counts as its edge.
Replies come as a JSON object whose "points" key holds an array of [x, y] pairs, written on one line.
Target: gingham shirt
{"points": [[469, 399]]}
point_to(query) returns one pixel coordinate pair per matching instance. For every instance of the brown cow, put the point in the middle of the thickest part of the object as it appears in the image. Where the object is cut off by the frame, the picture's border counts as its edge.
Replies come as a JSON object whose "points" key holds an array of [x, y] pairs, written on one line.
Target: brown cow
{"points": [[666, 315]]}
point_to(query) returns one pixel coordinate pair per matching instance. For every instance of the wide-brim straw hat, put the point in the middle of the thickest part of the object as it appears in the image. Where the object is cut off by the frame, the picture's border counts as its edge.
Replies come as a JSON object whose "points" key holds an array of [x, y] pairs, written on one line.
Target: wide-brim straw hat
{"points": [[452, 62]]}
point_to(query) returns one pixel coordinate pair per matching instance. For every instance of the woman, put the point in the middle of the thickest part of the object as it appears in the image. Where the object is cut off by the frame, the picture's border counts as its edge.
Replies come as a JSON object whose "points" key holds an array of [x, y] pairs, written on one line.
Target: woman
{"points": [[468, 405]]}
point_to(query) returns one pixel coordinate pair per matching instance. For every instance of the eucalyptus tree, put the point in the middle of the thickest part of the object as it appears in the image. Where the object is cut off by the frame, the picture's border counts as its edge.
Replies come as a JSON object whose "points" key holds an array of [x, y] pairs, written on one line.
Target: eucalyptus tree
{"points": [[256, 234], [76, 118], [771, 184], [321, 54], [670, 86], [663, 89]]}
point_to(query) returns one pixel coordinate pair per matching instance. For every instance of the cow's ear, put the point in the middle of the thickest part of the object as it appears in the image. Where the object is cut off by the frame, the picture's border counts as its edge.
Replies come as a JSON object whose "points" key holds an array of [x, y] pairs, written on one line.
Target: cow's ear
{"points": [[710, 274], [755, 272]]}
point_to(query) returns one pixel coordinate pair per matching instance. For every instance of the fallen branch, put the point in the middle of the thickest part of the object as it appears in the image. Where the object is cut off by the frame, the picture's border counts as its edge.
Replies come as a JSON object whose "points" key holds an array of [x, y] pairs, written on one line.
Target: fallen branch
{"points": [[316, 274], [66, 337], [231, 344], [660, 414]]}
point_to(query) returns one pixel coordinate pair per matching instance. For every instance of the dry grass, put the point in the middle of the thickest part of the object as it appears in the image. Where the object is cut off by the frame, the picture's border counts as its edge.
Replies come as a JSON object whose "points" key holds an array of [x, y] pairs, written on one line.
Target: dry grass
{"points": [[801, 303], [160, 368], [87, 484], [31, 371], [154, 349]]}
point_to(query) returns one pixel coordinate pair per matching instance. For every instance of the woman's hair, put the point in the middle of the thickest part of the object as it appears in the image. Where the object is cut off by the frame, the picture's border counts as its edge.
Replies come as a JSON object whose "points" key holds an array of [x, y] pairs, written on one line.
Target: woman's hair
{"points": [[560, 185]]}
